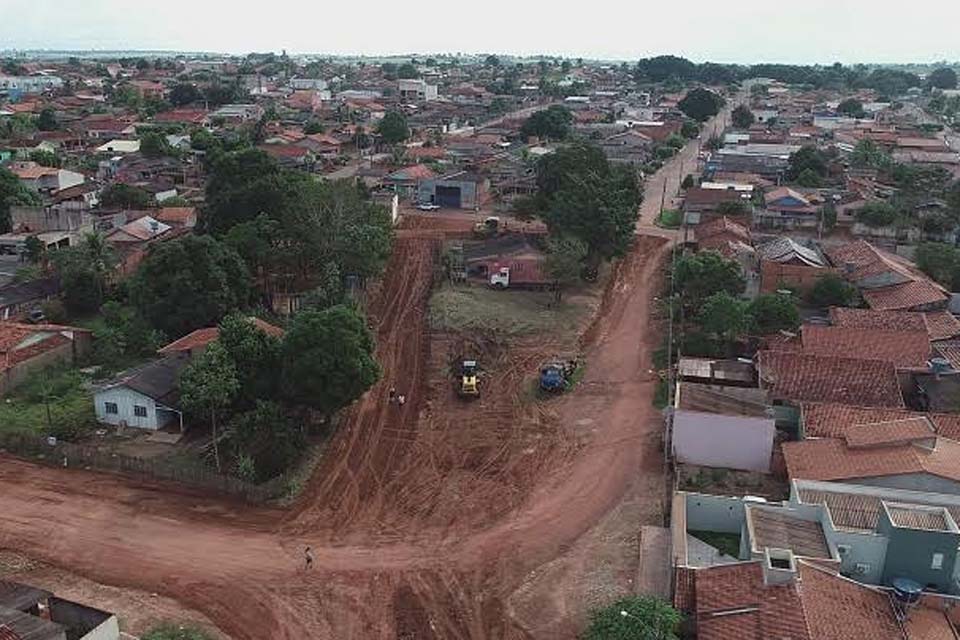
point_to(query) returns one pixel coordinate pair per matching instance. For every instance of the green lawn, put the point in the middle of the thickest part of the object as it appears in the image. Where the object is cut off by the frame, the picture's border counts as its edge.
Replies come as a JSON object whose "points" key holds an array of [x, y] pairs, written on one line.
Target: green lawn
{"points": [[515, 313], [727, 543], [70, 405], [671, 218]]}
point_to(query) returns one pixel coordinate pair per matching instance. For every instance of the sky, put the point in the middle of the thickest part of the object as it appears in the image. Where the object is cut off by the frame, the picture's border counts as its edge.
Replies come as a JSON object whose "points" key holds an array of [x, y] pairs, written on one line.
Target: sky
{"points": [[746, 31]]}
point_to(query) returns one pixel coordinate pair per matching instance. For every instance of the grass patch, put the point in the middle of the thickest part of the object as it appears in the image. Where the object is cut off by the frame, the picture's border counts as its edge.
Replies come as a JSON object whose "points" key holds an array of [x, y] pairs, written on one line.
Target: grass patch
{"points": [[661, 395], [512, 313], [70, 405], [670, 218], [726, 543]]}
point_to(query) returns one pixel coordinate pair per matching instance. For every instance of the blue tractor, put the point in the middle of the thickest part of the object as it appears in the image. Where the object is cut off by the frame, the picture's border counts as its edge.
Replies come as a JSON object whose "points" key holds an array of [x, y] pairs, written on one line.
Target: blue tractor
{"points": [[555, 376]]}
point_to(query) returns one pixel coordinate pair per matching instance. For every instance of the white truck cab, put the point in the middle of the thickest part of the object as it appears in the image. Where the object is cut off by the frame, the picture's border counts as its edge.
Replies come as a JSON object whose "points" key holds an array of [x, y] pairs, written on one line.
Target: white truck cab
{"points": [[500, 279]]}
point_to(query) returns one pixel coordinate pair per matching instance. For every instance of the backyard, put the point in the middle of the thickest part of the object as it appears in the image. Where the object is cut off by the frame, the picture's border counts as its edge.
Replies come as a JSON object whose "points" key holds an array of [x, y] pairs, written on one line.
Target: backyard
{"points": [[50, 402]]}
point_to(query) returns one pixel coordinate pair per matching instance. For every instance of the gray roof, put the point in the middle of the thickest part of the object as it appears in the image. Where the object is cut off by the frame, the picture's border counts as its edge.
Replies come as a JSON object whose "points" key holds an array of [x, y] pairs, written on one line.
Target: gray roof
{"points": [[157, 379], [785, 249], [31, 627], [21, 597]]}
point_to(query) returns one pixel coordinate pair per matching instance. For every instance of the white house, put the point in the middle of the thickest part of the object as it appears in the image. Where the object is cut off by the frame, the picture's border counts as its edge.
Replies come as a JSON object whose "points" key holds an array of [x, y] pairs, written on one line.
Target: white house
{"points": [[144, 398], [120, 146]]}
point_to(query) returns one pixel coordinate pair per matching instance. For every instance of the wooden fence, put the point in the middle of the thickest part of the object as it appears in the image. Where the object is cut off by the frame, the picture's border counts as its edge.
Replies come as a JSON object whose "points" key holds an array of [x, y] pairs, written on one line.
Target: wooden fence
{"points": [[193, 474]]}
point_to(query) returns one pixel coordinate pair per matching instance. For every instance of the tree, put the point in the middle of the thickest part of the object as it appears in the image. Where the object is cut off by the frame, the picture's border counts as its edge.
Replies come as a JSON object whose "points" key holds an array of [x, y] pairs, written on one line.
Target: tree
{"points": [[807, 158], [647, 618], [123, 337], [125, 196], [208, 385], [700, 275], [809, 178], [688, 181], [878, 214], [772, 312], [851, 107], [267, 438], [328, 359], [84, 271], [154, 145], [867, 154], [189, 283], [660, 68], [943, 78], [939, 261], [407, 71], [553, 122], [701, 104], [45, 158], [47, 120], [742, 117], [393, 128], [724, 316], [184, 93], [564, 262], [831, 291], [492, 61], [256, 356], [689, 129], [312, 127], [35, 249], [13, 193]]}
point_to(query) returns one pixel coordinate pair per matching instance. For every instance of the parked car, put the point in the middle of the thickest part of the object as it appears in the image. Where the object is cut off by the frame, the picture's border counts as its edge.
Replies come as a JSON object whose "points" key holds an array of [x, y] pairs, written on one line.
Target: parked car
{"points": [[428, 206]]}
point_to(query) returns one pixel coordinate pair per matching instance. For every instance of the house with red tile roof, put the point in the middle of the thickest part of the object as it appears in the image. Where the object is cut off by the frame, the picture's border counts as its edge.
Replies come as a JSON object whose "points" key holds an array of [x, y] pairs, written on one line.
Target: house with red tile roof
{"points": [[196, 342], [785, 598], [25, 348], [886, 281], [793, 377], [905, 350], [833, 420]]}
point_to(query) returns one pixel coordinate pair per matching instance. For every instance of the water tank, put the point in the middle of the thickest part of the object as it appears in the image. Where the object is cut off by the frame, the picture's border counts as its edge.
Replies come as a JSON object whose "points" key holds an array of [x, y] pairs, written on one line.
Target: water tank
{"points": [[906, 591]]}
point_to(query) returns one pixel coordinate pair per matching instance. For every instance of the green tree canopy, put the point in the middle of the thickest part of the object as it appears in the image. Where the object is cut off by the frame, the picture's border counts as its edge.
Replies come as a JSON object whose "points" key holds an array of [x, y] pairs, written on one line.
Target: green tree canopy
{"points": [[724, 316], [170, 631], [943, 78], [851, 107], [831, 291], [705, 273], [941, 262], [742, 117], [878, 214], [84, 270], [772, 312], [553, 122], [45, 158], [393, 129], [268, 438], [184, 93], [208, 386], [868, 154], [807, 159], [256, 356], [155, 145], [564, 261], [647, 618], [13, 193], [189, 283], [701, 104], [47, 120], [667, 67], [125, 196], [328, 359]]}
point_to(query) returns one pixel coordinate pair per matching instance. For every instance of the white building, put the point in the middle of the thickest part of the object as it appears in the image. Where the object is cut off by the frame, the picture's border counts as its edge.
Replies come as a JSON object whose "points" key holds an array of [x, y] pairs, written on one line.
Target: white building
{"points": [[301, 84], [120, 146], [416, 90], [30, 84], [144, 398]]}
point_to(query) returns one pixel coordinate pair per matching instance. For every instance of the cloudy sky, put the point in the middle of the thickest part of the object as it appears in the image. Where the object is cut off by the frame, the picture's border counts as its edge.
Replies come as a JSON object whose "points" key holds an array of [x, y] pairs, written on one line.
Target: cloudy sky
{"points": [[723, 30]]}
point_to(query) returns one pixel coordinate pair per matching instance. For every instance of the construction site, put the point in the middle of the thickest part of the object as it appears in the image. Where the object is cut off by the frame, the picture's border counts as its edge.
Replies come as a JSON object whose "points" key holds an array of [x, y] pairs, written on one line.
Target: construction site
{"points": [[478, 509]]}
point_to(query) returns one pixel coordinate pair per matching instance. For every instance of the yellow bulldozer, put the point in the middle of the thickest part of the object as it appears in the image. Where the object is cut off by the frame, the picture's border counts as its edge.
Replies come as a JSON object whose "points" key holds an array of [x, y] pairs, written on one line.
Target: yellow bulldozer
{"points": [[468, 387]]}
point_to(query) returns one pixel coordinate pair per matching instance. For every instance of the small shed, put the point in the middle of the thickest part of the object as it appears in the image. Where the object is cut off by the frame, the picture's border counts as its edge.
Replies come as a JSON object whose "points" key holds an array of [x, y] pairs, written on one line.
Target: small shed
{"points": [[722, 441]]}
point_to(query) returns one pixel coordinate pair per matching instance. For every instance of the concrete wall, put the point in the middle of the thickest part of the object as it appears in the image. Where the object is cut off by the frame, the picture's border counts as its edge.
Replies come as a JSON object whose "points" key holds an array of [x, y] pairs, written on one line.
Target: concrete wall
{"points": [[729, 442], [125, 399], [721, 514], [910, 554], [865, 549], [16, 375], [86, 622], [922, 482]]}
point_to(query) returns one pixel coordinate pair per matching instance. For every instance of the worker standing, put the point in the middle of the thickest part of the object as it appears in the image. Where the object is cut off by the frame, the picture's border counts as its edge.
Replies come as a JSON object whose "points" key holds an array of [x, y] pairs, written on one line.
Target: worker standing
{"points": [[307, 559], [393, 394], [401, 400]]}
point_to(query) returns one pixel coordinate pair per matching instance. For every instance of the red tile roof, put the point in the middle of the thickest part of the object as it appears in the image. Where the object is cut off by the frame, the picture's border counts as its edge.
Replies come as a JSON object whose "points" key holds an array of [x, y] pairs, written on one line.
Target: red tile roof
{"points": [[203, 337], [833, 459], [833, 420], [814, 378], [893, 432], [942, 325], [722, 226], [903, 349], [909, 295], [873, 319], [6, 633]]}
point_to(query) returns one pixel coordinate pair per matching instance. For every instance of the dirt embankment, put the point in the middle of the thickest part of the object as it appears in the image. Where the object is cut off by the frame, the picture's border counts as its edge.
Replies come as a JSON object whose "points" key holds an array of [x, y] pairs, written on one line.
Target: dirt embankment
{"points": [[423, 519]]}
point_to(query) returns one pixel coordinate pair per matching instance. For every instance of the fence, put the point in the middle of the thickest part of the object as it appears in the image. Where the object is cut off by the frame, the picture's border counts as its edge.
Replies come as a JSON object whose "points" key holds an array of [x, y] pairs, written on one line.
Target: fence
{"points": [[194, 474]]}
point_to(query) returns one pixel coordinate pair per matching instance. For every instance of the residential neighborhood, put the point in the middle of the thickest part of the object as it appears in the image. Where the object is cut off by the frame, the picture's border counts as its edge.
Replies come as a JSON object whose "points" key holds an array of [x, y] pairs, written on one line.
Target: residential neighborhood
{"points": [[477, 345]]}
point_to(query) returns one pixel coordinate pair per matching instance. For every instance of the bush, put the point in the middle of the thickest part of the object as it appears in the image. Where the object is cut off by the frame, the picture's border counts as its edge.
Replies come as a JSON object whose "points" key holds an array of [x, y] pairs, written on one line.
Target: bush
{"points": [[170, 631], [647, 618], [877, 214], [54, 311], [831, 291]]}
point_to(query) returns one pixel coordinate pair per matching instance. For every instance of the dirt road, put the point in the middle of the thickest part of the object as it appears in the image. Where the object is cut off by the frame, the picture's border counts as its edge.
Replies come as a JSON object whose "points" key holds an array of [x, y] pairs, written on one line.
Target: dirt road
{"points": [[421, 527]]}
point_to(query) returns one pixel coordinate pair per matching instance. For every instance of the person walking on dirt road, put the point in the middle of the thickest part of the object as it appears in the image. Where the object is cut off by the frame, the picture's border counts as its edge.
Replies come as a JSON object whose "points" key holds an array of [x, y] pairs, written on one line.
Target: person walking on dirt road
{"points": [[393, 394], [307, 559], [401, 399]]}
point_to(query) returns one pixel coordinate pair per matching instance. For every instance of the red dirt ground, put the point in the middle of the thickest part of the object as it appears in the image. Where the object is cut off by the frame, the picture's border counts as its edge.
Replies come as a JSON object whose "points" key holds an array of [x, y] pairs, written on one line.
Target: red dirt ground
{"points": [[423, 520]]}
